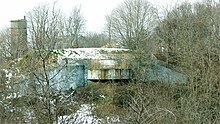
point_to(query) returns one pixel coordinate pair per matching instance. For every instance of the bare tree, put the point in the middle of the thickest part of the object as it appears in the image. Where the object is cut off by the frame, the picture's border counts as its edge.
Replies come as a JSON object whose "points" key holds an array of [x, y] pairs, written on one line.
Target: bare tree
{"points": [[49, 31], [91, 39], [132, 23], [190, 37], [74, 27], [109, 28], [5, 43], [44, 22], [45, 34]]}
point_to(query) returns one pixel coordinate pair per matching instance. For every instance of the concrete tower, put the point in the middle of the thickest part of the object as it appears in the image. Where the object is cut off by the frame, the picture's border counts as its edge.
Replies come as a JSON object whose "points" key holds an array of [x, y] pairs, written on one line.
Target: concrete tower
{"points": [[18, 37]]}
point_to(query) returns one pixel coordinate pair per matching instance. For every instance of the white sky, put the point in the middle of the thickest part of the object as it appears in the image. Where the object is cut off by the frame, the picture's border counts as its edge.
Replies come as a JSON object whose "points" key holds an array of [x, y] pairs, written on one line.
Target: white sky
{"points": [[94, 11]]}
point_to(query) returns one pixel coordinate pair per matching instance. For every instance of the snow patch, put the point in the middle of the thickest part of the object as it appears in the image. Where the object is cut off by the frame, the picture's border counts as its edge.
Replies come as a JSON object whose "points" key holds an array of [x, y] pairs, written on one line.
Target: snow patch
{"points": [[113, 120], [102, 96], [82, 116], [8, 74]]}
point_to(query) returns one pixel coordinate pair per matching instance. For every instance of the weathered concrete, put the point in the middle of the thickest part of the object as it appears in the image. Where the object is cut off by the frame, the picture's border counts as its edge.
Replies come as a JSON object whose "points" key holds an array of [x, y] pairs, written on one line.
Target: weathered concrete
{"points": [[77, 67], [102, 63]]}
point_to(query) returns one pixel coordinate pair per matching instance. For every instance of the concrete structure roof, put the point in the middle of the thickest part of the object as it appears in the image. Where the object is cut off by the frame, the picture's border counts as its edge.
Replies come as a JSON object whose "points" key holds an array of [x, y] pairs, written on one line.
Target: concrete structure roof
{"points": [[91, 53]]}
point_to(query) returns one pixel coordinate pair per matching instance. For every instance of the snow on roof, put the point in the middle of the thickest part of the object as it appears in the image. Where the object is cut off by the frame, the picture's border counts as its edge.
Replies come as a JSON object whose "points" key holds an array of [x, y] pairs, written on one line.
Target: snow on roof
{"points": [[90, 53]]}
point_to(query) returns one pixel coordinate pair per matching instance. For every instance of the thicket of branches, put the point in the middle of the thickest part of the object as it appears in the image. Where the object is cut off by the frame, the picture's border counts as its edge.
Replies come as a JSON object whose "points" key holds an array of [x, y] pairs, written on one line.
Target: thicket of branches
{"points": [[187, 37]]}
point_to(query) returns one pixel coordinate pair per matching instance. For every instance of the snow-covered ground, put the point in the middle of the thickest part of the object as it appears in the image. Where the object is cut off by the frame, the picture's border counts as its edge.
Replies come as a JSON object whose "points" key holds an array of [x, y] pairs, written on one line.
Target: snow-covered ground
{"points": [[82, 116], [85, 116]]}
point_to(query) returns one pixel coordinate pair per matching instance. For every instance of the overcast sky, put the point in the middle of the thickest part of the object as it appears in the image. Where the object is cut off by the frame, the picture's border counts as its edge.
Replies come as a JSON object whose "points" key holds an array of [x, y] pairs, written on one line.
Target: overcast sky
{"points": [[94, 11]]}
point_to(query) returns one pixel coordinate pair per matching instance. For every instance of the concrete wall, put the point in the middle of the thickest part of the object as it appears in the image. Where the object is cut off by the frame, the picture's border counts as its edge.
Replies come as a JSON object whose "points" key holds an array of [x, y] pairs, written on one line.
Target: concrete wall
{"points": [[109, 74], [70, 75], [109, 69], [159, 73], [103, 63]]}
